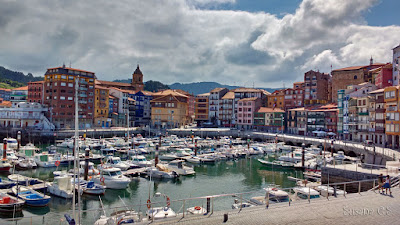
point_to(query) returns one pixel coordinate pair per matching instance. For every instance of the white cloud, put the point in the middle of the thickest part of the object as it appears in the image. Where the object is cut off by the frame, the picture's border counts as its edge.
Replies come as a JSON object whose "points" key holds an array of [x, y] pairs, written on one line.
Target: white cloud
{"points": [[175, 41]]}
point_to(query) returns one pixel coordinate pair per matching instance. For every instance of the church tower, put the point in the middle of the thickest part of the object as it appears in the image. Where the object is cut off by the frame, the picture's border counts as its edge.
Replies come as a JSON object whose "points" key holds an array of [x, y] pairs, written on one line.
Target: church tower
{"points": [[137, 79]]}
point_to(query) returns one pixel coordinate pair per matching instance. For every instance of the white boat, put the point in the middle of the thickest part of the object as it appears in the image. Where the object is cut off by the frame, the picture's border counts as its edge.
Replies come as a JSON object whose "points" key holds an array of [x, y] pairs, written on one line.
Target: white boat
{"points": [[140, 161], [193, 160], [161, 172], [61, 187], [306, 192], [5, 165], [208, 159], [91, 171], [119, 217], [26, 164], [90, 188], [160, 213], [276, 194], [180, 168], [112, 178], [170, 156], [325, 191], [22, 179], [45, 160], [238, 205], [196, 210], [114, 162], [12, 143]]}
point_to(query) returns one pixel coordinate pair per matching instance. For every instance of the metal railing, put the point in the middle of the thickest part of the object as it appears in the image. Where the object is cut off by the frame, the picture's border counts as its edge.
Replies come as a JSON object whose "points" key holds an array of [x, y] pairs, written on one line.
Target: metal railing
{"points": [[211, 203]]}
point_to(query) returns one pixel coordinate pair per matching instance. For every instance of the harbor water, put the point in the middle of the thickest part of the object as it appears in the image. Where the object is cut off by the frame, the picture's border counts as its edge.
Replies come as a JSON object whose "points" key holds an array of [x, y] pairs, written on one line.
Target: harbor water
{"points": [[223, 177]]}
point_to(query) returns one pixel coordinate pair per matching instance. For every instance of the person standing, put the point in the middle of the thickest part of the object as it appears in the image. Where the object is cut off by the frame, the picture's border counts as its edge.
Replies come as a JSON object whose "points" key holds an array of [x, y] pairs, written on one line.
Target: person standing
{"points": [[380, 183], [387, 185]]}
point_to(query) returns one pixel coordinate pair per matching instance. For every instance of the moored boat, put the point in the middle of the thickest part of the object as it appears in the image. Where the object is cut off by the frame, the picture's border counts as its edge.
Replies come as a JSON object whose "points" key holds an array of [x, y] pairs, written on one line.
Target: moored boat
{"points": [[10, 203], [30, 196]]}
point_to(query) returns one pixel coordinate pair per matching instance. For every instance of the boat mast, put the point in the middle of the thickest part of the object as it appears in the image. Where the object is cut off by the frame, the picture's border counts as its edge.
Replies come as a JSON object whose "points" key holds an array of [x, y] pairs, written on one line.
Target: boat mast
{"points": [[76, 152]]}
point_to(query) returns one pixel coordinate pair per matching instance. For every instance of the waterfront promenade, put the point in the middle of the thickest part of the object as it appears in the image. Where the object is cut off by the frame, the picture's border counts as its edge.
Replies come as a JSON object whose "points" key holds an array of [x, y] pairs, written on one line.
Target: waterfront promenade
{"points": [[365, 208]]}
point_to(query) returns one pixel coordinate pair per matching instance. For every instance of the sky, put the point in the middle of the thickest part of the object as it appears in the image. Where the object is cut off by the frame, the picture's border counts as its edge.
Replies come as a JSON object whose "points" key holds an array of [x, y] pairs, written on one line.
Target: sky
{"points": [[262, 43]]}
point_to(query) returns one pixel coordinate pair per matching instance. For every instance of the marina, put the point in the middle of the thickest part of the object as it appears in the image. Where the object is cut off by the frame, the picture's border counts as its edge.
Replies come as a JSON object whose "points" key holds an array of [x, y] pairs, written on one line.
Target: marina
{"points": [[192, 167]]}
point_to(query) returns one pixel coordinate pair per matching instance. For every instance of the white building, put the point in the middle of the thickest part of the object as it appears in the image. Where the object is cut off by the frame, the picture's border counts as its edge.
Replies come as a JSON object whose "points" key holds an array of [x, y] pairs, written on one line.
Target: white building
{"points": [[214, 104], [25, 115]]}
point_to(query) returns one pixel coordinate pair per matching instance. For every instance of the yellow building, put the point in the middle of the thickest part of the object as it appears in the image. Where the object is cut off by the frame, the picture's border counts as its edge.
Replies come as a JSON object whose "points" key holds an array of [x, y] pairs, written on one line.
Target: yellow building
{"points": [[169, 109], [276, 100], [392, 120], [101, 107]]}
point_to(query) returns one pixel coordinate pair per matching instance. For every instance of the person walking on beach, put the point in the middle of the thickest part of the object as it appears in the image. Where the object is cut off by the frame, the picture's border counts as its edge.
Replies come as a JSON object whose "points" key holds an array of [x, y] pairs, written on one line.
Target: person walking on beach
{"points": [[387, 185], [380, 183]]}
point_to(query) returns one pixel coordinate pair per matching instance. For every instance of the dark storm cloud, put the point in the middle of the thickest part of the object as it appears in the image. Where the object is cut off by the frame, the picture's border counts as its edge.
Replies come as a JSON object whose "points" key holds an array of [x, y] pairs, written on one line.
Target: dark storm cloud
{"points": [[181, 41]]}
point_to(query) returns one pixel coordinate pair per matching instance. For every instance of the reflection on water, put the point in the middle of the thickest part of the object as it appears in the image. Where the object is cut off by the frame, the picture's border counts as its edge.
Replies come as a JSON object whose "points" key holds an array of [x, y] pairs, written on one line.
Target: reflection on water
{"points": [[236, 176]]}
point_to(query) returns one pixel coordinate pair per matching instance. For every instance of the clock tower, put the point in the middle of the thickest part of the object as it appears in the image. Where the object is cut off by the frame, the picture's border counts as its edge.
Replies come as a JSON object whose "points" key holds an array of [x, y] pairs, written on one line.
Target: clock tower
{"points": [[137, 79]]}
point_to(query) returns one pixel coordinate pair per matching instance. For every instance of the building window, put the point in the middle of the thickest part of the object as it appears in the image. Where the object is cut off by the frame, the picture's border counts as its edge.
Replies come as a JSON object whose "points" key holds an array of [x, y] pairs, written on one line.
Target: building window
{"points": [[70, 98], [355, 77]]}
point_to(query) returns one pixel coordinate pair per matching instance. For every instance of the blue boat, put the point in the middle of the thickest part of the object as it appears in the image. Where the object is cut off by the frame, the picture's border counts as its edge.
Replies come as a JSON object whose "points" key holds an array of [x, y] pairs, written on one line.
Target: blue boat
{"points": [[30, 196], [5, 184]]}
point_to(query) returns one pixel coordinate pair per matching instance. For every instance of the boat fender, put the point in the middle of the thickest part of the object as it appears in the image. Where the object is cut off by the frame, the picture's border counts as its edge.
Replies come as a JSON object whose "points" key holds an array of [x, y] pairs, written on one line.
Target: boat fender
{"points": [[168, 202], [70, 220], [102, 179], [148, 203]]}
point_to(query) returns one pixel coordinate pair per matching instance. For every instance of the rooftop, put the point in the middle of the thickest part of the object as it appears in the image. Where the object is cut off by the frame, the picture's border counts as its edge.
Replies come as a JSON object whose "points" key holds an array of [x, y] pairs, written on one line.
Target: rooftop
{"points": [[229, 95], [358, 67], [217, 89], [269, 110], [248, 99], [243, 89], [112, 83], [24, 88], [68, 68], [169, 92], [204, 95]]}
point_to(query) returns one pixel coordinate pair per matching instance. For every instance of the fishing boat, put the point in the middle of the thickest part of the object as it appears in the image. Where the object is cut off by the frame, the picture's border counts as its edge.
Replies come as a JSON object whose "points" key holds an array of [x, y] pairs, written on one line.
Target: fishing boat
{"points": [[196, 210], [30, 196], [61, 187], [10, 203], [277, 195], [112, 178], [91, 188], [45, 160], [22, 180], [26, 164], [5, 165]]}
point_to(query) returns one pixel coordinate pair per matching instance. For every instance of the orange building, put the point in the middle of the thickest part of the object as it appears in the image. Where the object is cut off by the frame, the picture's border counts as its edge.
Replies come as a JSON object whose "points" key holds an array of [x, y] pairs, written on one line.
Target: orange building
{"points": [[392, 120], [276, 100]]}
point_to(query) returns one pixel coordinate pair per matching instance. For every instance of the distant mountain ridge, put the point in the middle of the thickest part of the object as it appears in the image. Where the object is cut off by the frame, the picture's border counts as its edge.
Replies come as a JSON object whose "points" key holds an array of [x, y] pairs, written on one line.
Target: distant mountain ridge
{"points": [[204, 87], [17, 76]]}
